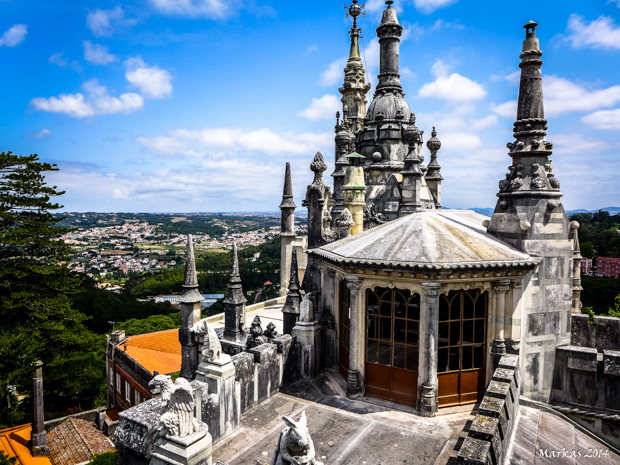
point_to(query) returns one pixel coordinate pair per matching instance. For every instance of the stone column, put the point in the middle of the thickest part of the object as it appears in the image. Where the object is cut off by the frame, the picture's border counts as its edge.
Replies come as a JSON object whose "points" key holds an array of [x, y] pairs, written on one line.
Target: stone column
{"points": [[355, 380], [429, 327], [220, 376], [500, 288], [38, 443], [330, 307], [513, 330]]}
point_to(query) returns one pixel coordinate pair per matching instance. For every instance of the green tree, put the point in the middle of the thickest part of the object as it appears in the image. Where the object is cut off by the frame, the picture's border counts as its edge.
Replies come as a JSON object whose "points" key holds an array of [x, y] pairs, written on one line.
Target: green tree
{"points": [[150, 324], [38, 321], [6, 460]]}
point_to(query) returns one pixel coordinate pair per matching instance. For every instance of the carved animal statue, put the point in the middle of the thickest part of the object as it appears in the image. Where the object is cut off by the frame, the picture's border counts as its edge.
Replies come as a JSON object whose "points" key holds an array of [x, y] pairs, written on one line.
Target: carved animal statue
{"points": [[306, 308], [211, 348], [270, 332], [178, 404], [295, 446]]}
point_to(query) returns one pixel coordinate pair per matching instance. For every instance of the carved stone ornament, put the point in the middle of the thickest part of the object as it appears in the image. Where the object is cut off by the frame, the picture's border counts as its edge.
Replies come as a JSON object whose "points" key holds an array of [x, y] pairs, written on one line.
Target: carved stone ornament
{"points": [[431, 290], [270, 331], [178, 403], [295, 446], [211, 349], [306, 309], [255, 337], [538, 183], [503, 184], [372, 217], [516, 183], [354, 285], [501, 288], [553, 181]]}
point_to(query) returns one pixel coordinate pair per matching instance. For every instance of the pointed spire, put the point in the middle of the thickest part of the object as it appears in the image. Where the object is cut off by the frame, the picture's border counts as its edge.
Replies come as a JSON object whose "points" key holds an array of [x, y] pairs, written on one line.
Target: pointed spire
{"points": [[234, 269], [434, 169], [287, 193], [294, 285], [190, 283]]}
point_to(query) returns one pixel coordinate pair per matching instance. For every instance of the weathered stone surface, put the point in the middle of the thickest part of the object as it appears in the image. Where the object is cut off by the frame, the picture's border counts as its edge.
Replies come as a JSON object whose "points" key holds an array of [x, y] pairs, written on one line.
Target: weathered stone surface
{"points": [[137, 428], [582, 333], [607, 333], [582, 359], [475, 452], [611, 362], [268, 382], [244, 375]]}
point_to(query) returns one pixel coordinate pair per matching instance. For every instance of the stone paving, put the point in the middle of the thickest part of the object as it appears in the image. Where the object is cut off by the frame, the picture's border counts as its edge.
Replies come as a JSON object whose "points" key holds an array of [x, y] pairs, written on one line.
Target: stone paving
{"points": [[345, 432], [543, 438]]}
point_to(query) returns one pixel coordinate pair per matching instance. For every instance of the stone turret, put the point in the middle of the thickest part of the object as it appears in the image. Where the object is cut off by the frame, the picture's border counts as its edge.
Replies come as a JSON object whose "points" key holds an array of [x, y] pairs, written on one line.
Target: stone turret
{"points": [[530, 216], [433, 175], [290, 310], [190, 314], [287, 230], [355, 191], [412, 172], [234, 303]]}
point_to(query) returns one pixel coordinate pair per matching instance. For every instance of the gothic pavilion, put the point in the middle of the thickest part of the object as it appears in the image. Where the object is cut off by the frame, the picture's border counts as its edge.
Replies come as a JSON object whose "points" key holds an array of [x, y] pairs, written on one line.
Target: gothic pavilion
{"points": [[417, 304]]}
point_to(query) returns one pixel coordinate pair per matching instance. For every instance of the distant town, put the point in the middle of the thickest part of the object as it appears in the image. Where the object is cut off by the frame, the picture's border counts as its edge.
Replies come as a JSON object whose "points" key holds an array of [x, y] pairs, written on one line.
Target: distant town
{"points": [[110, 245]]}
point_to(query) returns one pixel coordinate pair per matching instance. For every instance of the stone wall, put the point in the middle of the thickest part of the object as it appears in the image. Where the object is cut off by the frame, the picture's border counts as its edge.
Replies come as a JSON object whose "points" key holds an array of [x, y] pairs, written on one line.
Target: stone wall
{"points": [[491, 429], [261, 371], [604, 334], [586, 386]]}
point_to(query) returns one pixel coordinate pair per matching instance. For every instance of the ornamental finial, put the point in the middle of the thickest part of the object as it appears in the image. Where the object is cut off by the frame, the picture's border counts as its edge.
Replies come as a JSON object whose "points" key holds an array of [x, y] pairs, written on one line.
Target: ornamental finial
{"points": [[354, 11]]}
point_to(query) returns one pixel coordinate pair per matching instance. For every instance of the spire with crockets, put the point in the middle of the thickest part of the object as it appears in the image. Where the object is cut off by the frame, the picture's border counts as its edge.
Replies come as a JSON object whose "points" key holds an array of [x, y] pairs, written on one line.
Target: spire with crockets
{"points": [[530, 182], [234, 303]]}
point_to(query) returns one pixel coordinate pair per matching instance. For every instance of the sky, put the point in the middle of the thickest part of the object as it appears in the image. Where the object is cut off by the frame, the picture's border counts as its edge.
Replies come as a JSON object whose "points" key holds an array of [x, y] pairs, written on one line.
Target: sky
{"points": [[196, 105]]}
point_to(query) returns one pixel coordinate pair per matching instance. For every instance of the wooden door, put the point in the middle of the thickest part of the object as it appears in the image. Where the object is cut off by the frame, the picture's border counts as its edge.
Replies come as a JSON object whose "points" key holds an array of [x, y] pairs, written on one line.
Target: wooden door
{"points": [[462, 347], [344, 328], [392, 339]]}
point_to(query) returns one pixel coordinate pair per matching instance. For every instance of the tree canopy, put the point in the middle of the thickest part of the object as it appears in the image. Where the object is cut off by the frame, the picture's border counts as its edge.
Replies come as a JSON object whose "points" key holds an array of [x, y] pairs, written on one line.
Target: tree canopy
{"points": [[38, 321]]}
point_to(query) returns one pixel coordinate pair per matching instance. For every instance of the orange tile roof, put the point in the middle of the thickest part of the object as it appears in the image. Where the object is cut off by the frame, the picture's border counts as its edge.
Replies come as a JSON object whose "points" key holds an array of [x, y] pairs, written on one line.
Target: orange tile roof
{"points": [[160, 351], [14, 443], [70, 442]]}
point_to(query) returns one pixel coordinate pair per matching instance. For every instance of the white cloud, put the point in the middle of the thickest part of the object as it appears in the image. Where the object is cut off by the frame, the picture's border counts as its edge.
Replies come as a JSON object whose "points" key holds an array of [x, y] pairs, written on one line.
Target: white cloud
{"points": [[506, 109], [454, 87], [322, 108], [262, 140], [152, 81], [599, 33], [311, 48], [576, 143], [14, 36], [213, 9], [163, 145], [334, 73], [42, 134], [58, 59], [564, 96], [96, 102], [97, 53], [428, 6], [604, 119], [614, 1], [104, 22]]}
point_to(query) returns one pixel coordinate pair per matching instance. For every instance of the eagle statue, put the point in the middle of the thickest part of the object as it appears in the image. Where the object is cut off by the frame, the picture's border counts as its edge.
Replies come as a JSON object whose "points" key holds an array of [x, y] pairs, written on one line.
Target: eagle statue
{"points": [[178, 405]]}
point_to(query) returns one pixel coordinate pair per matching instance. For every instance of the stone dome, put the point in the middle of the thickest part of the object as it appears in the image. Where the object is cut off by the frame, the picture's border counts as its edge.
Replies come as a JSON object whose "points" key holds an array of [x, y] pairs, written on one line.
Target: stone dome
{"points": [[389, 103]]}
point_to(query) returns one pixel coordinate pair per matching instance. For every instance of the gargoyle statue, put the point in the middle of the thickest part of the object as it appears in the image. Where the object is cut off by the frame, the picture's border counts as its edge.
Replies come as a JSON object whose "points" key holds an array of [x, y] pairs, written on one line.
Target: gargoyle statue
{"points": [[306, 308], [178, 405], [211, 348], [295, 446]]}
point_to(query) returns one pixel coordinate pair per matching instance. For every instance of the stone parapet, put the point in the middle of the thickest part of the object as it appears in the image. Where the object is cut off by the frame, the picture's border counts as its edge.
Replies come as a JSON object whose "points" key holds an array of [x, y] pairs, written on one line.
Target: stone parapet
{"points": [[491, 429], [603, 334]]}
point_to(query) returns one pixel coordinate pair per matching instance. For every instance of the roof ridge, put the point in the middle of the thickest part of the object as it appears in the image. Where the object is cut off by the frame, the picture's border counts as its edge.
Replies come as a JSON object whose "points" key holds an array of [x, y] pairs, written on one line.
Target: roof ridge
{"points": [[147, 334]]}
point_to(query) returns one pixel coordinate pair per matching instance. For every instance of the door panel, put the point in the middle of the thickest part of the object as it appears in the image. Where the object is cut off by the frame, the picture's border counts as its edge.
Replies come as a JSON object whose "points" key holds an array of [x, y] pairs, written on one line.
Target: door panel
{"points": [[462, 345], [392, 338]]}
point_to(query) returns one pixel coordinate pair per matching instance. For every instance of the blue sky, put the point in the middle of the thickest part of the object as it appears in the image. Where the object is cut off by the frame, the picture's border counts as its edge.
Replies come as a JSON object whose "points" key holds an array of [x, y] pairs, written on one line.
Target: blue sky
{"points": [[196, 105]]}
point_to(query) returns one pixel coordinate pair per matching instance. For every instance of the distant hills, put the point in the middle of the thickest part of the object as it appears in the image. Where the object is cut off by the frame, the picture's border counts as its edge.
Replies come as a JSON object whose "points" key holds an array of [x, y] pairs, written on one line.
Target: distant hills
{"points": [[611, 210]]}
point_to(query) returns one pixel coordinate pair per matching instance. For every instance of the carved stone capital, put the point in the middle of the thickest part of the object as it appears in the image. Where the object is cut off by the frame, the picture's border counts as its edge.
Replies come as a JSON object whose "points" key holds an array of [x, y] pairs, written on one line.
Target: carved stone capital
{"points": [[501, 287], [431, 289], [354, 284]]}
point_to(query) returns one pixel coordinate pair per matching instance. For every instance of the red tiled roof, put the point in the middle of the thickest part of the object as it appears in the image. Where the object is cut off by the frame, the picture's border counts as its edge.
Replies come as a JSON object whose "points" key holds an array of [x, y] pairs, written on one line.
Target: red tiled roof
{"points": [[160, 351], [75, 441]]}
